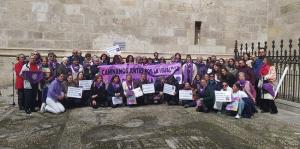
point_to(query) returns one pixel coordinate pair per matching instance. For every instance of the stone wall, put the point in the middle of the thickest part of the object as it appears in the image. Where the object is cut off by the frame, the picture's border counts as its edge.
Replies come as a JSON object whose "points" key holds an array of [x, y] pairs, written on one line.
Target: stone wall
{"points": [[283, 21], [145, 25]]}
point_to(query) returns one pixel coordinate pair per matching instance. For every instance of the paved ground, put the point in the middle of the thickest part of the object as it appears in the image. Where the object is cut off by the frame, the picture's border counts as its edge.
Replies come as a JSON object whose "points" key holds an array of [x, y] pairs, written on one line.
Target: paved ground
{"points": [[154, 126]]}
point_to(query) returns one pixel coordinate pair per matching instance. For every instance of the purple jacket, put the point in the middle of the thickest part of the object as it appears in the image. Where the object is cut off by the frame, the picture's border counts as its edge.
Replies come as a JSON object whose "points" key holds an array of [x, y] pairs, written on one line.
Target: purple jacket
{"points": [[55, 89]]}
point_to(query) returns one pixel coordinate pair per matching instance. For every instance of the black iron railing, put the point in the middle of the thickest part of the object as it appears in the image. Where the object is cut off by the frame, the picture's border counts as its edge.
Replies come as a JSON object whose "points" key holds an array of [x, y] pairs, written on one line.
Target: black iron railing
{"points": [[282, 57]]}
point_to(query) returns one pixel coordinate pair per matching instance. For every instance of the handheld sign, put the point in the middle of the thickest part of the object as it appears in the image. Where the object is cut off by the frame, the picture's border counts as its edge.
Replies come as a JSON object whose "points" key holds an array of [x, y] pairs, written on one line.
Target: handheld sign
{"points": [[138, 92], [117, 100], [185, 94], [112, 51], [148, 88], [222, 96], [74, 92], [131, 100], [85, 84], [169, 89]]}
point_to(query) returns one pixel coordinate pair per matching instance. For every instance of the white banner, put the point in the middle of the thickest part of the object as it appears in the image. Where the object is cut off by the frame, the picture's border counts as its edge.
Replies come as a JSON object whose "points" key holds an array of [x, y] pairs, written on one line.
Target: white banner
{"points": [[117, 100]]}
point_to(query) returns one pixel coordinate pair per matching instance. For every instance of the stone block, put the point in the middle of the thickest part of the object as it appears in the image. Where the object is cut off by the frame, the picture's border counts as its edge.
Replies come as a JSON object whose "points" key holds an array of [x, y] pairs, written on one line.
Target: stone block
{"points": [[40, 7], [44, 44], [163, 40], [64, 44], [34, 35], [15, 34], [54, 36], [72, 9], [180, 32], [131, 3]]}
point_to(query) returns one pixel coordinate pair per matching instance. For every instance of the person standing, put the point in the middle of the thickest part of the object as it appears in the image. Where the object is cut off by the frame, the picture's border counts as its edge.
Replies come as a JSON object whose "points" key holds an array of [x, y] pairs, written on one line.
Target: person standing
{"points": [[189, 70], [32, 74], [19, 80]]}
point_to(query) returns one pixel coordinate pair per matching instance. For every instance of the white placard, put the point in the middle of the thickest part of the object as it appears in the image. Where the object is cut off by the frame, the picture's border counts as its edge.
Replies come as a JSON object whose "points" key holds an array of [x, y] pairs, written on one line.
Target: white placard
{"points": [[185, 94], [222, 96], [148, 88], [85, 84], [117, 100], [131, 100], [169, 89], [74, 92], [138, 92], [112, 51], [281, 80]]}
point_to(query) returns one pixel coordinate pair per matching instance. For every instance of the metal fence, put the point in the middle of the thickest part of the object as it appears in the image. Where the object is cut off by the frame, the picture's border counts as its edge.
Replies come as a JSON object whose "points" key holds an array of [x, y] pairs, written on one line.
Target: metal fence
{"points": [[282, 57]]}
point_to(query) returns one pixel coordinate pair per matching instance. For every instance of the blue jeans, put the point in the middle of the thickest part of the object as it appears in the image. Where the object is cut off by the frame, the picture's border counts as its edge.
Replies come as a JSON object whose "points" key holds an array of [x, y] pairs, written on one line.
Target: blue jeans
{"points": [[241, 106]]}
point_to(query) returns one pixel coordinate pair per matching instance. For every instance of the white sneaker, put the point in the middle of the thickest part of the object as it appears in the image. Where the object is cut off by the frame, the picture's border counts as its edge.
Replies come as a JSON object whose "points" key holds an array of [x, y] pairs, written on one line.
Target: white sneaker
{"points": [[43, 108], [237, 116]]}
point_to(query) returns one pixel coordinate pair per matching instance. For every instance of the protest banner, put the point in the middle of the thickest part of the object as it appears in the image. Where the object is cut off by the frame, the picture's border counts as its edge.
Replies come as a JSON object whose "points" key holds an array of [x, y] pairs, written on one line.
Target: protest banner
{"points": [[153, 71], [74, 92]]}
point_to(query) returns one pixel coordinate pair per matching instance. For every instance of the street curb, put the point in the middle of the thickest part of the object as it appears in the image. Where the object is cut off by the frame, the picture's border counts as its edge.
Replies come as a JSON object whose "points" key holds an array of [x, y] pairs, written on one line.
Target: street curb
{"points": [[288, 105]]}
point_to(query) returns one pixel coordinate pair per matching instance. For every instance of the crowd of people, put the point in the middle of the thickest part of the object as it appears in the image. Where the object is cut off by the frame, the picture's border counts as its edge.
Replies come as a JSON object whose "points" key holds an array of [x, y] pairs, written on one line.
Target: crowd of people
{"points": [[250, 82]]}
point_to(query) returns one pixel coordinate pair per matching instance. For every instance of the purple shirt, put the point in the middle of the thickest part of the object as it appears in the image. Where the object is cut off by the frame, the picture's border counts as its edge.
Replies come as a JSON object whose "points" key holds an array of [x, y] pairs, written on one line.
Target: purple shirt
{"points": [[55, 89]]}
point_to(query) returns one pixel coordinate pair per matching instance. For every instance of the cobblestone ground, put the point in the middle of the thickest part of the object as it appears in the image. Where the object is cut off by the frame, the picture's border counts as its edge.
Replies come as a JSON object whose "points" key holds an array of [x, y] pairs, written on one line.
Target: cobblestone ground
{"points": [[153, 126]]}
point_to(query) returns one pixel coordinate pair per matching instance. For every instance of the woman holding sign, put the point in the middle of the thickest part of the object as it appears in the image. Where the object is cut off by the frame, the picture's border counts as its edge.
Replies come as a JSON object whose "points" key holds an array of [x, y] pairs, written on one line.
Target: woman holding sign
{"points": [[98, 93], [240, 102], [268, 78], [55, 95], [115, 92], [191, 102], [172, 99], [128, 90]]}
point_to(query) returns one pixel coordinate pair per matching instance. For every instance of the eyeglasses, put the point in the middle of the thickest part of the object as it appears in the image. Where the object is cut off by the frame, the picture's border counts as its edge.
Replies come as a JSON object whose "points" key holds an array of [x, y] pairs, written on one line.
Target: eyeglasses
{"points": [[224, 85]]}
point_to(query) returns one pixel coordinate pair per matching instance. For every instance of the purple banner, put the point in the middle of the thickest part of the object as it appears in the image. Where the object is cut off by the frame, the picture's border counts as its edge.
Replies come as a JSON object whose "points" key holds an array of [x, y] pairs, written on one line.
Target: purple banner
{"points": [[33, 76], [152, 71]]}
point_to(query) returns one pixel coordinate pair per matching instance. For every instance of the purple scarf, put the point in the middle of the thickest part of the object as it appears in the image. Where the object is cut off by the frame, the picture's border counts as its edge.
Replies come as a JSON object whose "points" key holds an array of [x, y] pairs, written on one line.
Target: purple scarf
{"points": [[242, 83], [129, 92], [98, 84], [202, 91], [115, 85], [188, 72], [75, 68]]}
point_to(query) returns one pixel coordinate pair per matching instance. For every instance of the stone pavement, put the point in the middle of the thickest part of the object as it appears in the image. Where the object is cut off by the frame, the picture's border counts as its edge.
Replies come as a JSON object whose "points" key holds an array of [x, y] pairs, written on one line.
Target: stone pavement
{"points": [[152, 126]]}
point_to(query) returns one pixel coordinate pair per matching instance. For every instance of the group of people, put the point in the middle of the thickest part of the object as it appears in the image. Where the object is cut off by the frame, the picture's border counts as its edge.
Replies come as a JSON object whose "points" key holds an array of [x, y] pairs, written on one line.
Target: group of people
{"points": [[249, 82]]}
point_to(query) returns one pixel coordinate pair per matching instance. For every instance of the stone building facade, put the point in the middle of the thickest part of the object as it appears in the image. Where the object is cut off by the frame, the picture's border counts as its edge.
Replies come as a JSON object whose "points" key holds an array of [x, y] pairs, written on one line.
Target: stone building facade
{"points": [[167, 26]]}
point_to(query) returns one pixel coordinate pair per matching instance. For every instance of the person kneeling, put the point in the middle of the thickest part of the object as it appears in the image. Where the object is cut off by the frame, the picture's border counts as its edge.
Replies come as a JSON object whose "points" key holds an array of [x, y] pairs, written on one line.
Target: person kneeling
{"points": [[55, 95]]}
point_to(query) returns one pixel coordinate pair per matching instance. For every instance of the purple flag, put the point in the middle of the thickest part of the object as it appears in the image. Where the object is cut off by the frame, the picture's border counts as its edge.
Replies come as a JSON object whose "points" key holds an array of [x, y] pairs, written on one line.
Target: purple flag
{"points": [[33, 76]]}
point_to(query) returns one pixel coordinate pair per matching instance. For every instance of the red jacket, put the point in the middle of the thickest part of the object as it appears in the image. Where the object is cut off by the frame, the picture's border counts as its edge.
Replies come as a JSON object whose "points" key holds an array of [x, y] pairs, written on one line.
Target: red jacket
{"points": [[19, 79]]}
